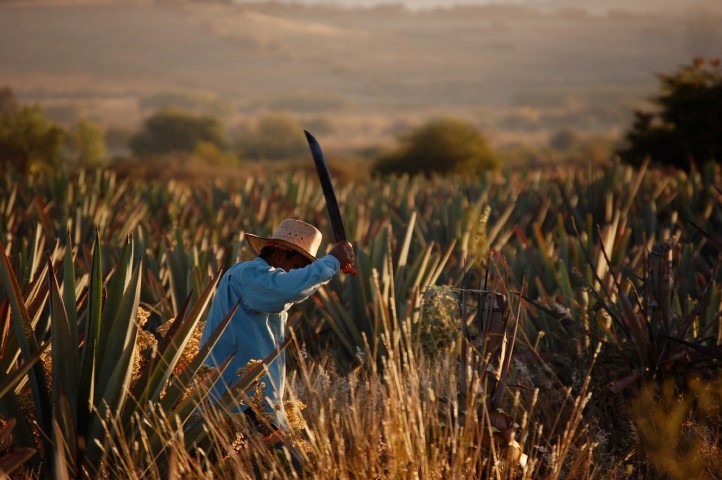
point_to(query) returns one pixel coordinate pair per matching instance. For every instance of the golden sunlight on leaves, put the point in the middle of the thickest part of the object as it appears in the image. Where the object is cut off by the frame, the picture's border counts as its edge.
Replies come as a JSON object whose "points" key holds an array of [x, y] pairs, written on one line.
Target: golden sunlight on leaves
{"points": [[145, 345], [190, 350], [257, 400]]}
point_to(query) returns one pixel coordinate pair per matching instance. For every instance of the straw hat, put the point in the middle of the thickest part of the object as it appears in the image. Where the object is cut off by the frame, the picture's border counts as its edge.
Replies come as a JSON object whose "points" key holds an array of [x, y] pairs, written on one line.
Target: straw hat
{"points": [[294, 234]]}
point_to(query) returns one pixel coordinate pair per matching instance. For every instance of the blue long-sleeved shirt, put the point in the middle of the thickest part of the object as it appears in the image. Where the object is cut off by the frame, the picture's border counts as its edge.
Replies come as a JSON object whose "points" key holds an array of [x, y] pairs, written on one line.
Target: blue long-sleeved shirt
{"points": [[259, 325]]}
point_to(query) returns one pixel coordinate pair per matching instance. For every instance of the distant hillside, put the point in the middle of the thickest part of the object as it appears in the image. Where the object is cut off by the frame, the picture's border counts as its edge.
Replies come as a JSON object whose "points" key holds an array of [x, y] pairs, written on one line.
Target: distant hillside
{"points": [[322, 59]]}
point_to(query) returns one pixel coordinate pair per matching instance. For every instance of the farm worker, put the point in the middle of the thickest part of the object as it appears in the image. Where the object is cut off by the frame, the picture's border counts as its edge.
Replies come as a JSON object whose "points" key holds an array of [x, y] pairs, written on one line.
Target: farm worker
{"points": [[285, 272]]}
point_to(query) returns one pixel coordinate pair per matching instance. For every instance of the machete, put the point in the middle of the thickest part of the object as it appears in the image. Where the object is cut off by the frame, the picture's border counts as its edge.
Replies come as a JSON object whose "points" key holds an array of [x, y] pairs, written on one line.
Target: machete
{"points": [[334, 212]]}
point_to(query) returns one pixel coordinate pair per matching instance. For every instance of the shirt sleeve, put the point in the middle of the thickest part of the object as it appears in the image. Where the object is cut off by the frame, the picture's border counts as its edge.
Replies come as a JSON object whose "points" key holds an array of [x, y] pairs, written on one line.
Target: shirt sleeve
{"points": [[269, 289]]}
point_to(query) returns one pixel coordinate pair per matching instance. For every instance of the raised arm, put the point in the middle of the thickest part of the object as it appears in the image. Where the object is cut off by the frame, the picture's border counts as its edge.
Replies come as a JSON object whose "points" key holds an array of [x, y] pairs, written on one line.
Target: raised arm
{"points": [[268, 289]]}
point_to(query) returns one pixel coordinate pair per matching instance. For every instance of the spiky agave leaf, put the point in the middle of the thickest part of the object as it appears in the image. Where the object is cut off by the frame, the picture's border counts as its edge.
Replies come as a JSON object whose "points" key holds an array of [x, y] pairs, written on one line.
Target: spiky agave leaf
{"points": [[355, 315], [88, 361], [114, 377], [181, 412], [11, 379], [65, 380], [114, 325], [29, 347], [171, 348], [11, 461], [10, 406], [65, 352], [179, 385]]}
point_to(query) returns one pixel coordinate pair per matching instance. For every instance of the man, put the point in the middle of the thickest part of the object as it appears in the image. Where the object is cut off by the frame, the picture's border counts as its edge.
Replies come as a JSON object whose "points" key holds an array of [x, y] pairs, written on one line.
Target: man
{"points": [[285, 272]]}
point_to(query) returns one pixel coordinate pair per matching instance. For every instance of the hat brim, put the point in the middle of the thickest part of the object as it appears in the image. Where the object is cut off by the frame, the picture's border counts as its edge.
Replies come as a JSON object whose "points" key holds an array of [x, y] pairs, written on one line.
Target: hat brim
{"points": [[257, 243]]}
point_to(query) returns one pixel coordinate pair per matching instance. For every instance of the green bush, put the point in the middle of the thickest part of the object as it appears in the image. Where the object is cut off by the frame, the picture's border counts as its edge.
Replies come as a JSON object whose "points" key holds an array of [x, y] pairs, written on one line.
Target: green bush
{"points": [[86, 145], [212, 155], [445, 145], [171, 130], [29, 141], [276, 136]]}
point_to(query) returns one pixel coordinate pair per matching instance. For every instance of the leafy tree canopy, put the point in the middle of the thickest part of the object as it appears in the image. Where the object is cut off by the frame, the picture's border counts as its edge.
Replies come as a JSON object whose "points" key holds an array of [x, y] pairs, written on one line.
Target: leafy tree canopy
{"points": [[444, 145], [171, 130], [86, 144], [687, 128], [29, 141]]}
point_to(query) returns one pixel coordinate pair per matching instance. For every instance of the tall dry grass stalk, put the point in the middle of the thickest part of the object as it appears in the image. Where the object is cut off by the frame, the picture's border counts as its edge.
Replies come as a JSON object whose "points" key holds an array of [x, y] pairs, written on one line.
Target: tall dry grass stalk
{"points": [[402, 419]]}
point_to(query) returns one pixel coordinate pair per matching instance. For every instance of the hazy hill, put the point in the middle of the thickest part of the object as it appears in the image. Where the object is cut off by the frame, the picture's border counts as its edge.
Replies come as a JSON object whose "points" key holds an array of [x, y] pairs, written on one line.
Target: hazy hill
{"points": [[503, 65]]}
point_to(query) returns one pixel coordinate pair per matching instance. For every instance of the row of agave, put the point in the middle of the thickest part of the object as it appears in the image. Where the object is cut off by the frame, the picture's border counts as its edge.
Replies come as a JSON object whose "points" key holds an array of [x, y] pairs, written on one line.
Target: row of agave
{"points": [[72, 281], [78, 344]]}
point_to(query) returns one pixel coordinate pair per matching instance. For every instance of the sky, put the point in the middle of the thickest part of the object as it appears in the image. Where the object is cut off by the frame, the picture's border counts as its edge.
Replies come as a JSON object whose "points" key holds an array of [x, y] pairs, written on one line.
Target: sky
{"points": [[411, 4]]}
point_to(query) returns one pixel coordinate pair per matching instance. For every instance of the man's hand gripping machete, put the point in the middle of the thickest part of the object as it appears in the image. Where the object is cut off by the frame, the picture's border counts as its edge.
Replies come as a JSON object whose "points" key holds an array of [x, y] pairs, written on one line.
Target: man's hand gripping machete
{"points": [[334, 213]]}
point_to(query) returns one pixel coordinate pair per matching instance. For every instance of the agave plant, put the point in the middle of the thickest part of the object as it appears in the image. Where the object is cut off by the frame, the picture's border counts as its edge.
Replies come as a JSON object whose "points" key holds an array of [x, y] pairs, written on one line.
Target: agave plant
{"points": [[646, 310], [382, 295], [92, 338]]}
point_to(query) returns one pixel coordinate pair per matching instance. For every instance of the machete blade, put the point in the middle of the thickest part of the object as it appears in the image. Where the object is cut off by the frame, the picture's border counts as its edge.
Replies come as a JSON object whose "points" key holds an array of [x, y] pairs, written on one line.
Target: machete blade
{"points": [[334, 212]]}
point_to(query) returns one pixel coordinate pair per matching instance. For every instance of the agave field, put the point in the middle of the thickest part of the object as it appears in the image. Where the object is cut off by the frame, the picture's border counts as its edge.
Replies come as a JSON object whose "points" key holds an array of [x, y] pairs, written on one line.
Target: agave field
{"points": [[530, 325]]}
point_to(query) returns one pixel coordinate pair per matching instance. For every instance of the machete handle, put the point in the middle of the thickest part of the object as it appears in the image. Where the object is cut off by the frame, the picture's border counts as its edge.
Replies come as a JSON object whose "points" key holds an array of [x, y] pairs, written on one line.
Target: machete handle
{"points": [[349, 269]]}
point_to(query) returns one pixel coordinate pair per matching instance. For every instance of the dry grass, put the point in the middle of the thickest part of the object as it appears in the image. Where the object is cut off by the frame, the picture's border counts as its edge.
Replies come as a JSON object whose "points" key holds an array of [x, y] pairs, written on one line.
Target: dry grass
{"points": [[680, 429], [402, 418]]}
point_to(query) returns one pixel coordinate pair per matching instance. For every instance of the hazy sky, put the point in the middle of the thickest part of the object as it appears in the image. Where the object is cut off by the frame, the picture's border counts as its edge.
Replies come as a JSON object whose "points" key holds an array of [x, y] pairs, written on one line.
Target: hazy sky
{"points": [[517, 69], [413, 4]]}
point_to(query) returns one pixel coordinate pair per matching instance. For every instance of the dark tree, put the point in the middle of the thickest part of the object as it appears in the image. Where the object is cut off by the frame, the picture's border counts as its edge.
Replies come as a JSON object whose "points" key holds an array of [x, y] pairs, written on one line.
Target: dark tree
{"points": [[687, 128]]}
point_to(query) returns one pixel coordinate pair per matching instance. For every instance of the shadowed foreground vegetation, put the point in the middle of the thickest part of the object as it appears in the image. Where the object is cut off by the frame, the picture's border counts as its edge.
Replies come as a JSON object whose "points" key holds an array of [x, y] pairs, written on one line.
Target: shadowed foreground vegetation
{"points": [[599, 358]]}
